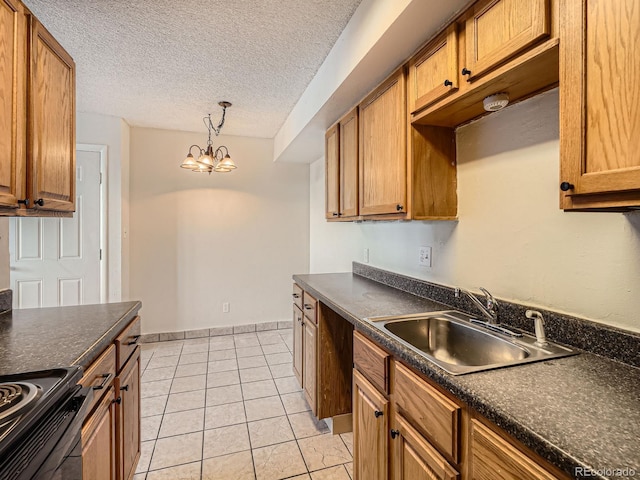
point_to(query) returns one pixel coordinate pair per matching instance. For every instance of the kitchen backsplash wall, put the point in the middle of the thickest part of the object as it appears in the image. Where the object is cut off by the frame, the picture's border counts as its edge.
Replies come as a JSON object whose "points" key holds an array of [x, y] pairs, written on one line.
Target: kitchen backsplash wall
{"points": [[199, 241], [511, 237]]}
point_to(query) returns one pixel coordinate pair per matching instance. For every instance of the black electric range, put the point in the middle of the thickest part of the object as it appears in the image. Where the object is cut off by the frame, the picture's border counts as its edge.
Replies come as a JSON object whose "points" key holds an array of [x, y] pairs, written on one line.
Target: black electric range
{"points": [[41, 417]]}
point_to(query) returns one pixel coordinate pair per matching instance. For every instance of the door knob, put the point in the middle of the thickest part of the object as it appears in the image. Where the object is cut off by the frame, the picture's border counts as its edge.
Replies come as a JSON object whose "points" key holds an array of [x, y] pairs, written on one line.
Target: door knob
{"points": [[378, 413], [566, 186], [394, 433], [448, 83]]}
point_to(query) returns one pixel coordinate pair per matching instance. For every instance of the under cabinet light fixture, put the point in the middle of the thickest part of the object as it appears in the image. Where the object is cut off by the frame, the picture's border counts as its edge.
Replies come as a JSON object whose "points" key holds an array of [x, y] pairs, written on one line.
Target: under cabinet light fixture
{"points": [[210, 160]]}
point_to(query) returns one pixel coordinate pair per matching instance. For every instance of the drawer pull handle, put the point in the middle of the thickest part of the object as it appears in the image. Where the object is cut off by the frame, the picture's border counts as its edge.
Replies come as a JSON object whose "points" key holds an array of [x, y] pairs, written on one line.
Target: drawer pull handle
{"points": [[466, 71], [399, 207], [125, 388], [378, 413], [39, 202], [135, 340], [296, 295], [448, 83], [308, 306], [394, 433], [105, 379], [118, 400]]}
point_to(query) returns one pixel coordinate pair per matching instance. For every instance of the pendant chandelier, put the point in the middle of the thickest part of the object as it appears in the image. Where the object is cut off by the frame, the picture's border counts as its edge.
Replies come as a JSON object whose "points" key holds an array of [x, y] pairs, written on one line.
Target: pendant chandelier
{"points": [[210, 160]]}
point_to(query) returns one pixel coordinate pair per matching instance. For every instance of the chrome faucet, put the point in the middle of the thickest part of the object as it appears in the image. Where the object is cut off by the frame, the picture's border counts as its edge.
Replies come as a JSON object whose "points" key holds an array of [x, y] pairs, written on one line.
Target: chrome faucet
{"points": [[490, 310]]}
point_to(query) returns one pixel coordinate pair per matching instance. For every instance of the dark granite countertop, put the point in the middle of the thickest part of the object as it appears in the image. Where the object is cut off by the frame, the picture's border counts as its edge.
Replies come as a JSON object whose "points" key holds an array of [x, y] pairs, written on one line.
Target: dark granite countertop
{"points": [[43, 338], [581, 411]]}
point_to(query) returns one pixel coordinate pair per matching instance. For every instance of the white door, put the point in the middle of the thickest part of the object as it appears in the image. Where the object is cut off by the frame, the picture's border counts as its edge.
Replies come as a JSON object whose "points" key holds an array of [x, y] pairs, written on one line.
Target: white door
{"points": [[57, 261]]}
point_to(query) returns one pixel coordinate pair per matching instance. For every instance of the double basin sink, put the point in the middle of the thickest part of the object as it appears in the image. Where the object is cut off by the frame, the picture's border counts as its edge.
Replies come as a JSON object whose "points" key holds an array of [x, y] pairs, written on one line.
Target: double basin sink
{"points": [[452, 340]]}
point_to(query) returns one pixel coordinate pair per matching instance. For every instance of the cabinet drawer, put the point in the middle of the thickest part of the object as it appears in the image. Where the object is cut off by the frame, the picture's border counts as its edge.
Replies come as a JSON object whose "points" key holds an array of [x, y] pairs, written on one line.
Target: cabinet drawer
{"points": [[309, 307], [429, 410], [297, 295], [100, 375], [372, 361], [494, 457], [127, 342]]}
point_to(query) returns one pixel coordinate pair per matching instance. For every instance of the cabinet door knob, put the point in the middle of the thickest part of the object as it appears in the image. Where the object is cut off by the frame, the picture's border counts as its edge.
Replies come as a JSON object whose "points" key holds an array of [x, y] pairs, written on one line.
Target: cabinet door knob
{"points": [[399, 207], [39, 202], [308, 306], [566, 186], [125, 388], [24, 202], [296, 295], [394, 433], [466, 71], [335, 214], [378, 413], [448, 83], [118, 400]]}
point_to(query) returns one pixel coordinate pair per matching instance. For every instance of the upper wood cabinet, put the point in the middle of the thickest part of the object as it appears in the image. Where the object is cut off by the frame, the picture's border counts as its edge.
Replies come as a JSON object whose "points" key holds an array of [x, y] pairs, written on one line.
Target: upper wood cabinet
{"points": [[341, 160], [51, 158], [433, 72], [349, 164], [599, 105], [498, 29], [12, 101], [332, 172], [383, 149], [37, 118]]}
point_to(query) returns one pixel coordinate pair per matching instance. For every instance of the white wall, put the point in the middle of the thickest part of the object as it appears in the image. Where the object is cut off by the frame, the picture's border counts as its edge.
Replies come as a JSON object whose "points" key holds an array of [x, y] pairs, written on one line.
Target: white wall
{"points": [[511, 237], [113, 132], [200, 240], [4, 254]]}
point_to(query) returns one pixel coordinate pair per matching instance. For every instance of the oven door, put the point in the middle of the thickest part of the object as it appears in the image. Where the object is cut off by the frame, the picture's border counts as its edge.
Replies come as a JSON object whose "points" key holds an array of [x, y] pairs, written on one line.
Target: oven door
{"points": [[52, 449]]}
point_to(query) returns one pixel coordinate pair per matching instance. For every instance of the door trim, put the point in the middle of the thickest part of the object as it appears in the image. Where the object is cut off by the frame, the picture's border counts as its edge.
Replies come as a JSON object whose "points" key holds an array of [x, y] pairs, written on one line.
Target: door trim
{"points": [[102, 150]]}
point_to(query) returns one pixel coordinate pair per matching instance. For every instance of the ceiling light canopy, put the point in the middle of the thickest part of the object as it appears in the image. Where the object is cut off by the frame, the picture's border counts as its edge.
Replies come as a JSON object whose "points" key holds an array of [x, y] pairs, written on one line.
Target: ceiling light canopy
{"points": [[210, 160]]}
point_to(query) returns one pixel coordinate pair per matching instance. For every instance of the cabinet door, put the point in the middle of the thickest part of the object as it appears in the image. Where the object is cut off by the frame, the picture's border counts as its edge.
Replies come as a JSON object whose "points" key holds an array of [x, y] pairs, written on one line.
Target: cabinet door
{"points": [[370, 431], [413, 458], [298, 364], [383, 166], [12, 95], [493, 458], [309, 363], [599, 104], [51, 152], [128, 418], [433, 73], [349, 164], [499, 29], [332, 180], [99, 441]]}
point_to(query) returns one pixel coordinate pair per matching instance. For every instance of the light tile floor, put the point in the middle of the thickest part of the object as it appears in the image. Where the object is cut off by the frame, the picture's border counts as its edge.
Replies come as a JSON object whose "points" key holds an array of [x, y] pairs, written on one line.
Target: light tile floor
{"points": [[229, 408]]}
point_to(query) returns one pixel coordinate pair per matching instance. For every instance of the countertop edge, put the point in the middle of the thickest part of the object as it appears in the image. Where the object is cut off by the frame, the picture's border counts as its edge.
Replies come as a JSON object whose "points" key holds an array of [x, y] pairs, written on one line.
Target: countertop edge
{"points": [[107, 338], [524, 434]]}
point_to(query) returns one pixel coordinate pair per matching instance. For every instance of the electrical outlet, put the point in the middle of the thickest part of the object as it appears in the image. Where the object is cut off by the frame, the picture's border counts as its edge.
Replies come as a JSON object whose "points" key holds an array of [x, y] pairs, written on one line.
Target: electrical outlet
{"points": [[424, 257], [225, 307], [365, 255]]}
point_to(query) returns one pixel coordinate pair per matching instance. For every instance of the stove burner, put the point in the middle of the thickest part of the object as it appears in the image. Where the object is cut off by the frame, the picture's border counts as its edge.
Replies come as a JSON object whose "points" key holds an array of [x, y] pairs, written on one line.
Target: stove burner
{"points": [[15, 396]]}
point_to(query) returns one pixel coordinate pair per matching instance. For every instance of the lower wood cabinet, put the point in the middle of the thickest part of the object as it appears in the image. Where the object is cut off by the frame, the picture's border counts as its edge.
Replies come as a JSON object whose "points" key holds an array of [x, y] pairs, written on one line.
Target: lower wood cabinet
{"points": [[414, 458], [370, 430], [309, 363], [323, 360], [111, 430], [99, 440], [297, 344], [128, 417], [417, 431]]}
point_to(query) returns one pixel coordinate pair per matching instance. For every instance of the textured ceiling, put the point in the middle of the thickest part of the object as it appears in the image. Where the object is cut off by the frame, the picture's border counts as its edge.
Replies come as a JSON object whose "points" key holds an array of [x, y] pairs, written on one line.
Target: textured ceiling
{"points": [[166, 64]]}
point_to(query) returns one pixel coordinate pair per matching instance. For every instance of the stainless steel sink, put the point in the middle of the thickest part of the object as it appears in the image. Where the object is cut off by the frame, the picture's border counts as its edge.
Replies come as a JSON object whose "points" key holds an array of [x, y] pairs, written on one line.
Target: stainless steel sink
{"points": [[456, 345]]}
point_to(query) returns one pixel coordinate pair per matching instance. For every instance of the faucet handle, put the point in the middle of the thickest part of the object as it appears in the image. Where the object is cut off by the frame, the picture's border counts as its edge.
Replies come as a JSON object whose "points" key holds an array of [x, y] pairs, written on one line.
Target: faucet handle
{"points": [[491, 302]]}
